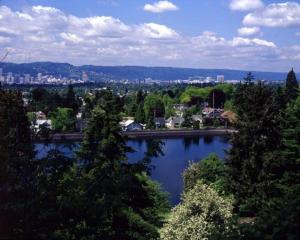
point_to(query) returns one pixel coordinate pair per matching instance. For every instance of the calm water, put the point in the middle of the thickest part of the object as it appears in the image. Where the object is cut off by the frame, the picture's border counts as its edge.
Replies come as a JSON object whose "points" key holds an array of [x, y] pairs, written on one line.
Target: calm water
{"points": [[167, 169]]}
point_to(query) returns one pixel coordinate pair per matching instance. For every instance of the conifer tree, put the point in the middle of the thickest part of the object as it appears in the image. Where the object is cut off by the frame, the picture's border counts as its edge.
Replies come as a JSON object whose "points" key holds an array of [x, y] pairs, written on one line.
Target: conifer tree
{"points": [[70, 101], [17, 168], [120, 200], [253, 156], [292, 86]]}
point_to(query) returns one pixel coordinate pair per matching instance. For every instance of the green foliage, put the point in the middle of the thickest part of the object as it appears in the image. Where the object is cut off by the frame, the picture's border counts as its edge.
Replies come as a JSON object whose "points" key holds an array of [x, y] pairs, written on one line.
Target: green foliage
{"points": [[228, 89], [63, 120], [292, 86], [168, 103], [209, 170], [279, 218], [154, 106], [17, 168], [70, 100], [193, 93], [229, 106], [216, 98], [31, 116], [123, 202], [140, 114], [253, 158], [202, 214]]}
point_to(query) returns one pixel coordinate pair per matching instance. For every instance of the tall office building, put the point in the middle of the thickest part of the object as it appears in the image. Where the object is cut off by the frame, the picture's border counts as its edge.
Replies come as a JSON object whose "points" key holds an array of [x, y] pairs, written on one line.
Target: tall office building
{"points": [[27, 78], [85, 77], [221, 78], [1, 76], [39, 77]]}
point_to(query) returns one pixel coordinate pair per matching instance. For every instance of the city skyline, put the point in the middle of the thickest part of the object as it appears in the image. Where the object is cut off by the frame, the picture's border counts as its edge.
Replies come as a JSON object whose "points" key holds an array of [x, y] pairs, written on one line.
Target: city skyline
{"points": [[237, 34]]}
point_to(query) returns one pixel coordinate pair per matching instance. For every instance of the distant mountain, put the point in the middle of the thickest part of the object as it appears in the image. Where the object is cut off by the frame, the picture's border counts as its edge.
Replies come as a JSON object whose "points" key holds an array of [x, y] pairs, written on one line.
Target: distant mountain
{"points": [[102, 73]]}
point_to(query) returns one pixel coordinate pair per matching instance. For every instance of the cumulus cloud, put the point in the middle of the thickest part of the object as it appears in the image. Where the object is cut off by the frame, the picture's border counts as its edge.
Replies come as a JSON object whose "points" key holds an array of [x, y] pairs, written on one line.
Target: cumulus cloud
{"points": [[275, 15], [238, 41], [48, 34], [160, 6], [248, 31], [245, 5], [157, 31]]}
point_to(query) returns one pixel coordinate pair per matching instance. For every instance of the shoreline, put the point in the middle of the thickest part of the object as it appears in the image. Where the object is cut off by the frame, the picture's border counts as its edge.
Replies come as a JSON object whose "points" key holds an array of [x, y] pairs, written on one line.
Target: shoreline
{"points": [[146, 134]]}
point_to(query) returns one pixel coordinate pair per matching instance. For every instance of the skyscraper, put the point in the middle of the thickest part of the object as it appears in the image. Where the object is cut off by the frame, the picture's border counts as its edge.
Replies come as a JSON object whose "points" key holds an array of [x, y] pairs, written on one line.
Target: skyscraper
{"points": [[85, 77], [220, 78]]}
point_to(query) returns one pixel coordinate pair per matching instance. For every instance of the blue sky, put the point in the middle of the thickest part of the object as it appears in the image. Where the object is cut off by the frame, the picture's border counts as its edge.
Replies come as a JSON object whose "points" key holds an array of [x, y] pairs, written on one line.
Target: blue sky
{"points": [[239, 34]]}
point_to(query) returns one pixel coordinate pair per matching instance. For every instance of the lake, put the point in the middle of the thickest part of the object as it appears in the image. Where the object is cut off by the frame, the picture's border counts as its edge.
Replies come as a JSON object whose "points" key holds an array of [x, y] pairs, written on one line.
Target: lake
{"points": [[167, 169]]}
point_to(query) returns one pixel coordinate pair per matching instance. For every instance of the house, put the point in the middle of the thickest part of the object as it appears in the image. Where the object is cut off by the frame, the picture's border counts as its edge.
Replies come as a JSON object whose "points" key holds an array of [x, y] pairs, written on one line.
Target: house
{"points": [[80, 122], [174, 122], [159, 122], [180, 109], [40, 115], [131, 125], [212, 112], [38, 125]]}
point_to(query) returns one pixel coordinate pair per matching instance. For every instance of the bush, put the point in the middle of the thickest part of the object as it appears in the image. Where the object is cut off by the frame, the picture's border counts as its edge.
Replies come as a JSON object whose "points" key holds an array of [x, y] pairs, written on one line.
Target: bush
{"points": [[209, 170], [203, 214]]}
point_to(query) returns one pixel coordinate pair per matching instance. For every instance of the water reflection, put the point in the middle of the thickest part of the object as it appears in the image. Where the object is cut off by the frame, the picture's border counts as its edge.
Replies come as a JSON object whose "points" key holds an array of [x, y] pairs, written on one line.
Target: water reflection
{"points": [[166, 168]]}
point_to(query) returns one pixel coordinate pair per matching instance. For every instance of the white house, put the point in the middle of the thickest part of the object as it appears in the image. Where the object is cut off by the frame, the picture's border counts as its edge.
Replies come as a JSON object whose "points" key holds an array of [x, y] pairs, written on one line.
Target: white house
{"points": [[174, 122], [40, 124]]}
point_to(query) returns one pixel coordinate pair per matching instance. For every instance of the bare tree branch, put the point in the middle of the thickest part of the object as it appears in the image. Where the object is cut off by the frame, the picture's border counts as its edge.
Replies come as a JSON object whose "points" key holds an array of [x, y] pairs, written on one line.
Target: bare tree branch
{"points": [[4, 56]]}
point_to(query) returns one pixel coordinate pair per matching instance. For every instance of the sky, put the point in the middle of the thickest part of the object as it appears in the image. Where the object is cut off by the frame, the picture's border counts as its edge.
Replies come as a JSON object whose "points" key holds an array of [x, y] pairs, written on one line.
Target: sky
{"points": [[262, 35]]}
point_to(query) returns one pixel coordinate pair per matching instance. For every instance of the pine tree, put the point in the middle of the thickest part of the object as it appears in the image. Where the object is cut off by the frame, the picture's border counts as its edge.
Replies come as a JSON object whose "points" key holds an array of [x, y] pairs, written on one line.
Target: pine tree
{"points": [[253, 156], [17, 168], [140, 114], [120, 205], [279, 217], [292, 86], [70, 101]]}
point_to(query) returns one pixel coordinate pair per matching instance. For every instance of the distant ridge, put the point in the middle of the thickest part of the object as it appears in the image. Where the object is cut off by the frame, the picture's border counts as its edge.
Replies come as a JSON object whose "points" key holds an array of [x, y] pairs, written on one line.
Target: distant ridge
{"points": [[103, 73]]}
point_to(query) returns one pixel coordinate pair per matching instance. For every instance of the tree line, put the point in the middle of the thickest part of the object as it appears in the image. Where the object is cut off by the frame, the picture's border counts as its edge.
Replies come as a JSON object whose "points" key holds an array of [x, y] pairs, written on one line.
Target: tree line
{"points": [[255, 193]]}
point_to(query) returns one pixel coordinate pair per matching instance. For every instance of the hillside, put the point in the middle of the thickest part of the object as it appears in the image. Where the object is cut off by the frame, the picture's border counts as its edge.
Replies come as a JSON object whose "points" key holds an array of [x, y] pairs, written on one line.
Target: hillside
{"points": [[100, 73]]}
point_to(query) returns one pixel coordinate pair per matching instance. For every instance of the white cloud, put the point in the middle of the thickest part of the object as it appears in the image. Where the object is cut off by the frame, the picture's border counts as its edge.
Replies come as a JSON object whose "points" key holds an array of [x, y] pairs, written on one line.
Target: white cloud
{"points": [[160, 6], [275, 15], [245, 5], [157, 31], [71, 37], [238, 41], [105, 40], [248, 31], [298, 34], [4, 40]]}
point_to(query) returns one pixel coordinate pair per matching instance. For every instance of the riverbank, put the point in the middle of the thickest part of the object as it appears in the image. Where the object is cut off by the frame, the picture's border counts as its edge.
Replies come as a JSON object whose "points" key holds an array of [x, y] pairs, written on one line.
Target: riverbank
{"points": [[147, 134]]}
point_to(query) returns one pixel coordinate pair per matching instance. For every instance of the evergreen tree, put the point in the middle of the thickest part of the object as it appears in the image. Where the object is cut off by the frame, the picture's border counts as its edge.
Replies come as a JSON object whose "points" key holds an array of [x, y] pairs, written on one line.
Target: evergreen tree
{"points": [[120, 206], [253, 158], [249, 78], [71, 101], [17, 168], [216, 98], [140, 114], [279, 217], [292, 86]]}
